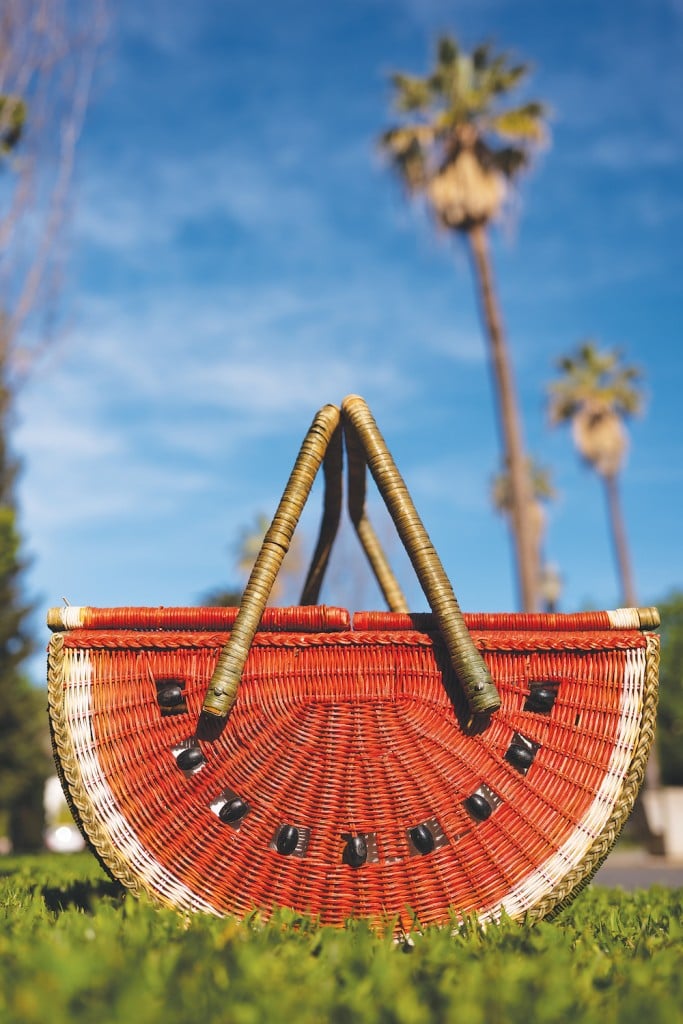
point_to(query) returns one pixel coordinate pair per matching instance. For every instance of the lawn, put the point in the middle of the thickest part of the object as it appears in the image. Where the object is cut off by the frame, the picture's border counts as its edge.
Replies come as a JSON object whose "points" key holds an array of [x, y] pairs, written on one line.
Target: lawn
{"points": [[73, 948]]}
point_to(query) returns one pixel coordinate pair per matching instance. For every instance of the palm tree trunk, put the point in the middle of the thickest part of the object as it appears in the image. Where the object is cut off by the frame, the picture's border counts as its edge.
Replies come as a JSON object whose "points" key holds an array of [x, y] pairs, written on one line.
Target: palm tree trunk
{"points": [[616, 520], [525, 546], [640, 824]]}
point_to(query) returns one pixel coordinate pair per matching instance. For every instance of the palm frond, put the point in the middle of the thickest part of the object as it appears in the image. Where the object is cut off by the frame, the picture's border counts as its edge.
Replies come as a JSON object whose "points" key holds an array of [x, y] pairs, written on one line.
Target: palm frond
{"points": [[481, 56], [520, 123], [542, 487], [412, 92], [594, 379], [509, 160], [447, 50], [12, 122], [461, 119], [407, 154], [403, 136], [504, 78]]}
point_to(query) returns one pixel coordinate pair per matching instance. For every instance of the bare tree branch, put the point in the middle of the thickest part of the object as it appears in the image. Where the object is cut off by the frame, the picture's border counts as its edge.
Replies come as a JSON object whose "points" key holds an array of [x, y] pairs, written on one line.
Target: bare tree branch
{"points": [[48, 50]]}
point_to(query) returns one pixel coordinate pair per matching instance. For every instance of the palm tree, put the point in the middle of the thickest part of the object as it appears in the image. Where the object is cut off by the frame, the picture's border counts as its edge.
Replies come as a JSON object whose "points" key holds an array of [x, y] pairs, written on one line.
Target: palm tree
{"points": [[285, 586], [459, 147], [542, 492], [595, 394]]}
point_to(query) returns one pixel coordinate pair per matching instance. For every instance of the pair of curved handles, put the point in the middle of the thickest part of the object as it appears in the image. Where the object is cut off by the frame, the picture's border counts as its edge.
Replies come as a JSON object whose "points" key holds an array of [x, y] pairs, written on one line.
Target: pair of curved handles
{"points": [[365, 446]]}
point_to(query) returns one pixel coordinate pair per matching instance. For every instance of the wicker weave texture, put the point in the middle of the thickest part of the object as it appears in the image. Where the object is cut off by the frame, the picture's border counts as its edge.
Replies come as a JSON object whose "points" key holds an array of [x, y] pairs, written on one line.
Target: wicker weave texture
{"points": [[354, 733]]}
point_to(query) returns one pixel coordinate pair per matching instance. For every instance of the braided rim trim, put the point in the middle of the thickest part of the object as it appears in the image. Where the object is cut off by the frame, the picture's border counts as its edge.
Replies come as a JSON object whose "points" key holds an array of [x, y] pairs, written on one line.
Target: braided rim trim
{"points": [[69, 772], [579, 877], [549, 905]]}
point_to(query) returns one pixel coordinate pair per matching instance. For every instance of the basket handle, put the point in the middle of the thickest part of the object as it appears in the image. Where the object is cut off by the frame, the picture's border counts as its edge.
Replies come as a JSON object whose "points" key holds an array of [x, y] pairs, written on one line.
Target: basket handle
{"points": [[359, 425], [224, 683], [469, 666], [356, 459], [329, 524], [332, 501]]}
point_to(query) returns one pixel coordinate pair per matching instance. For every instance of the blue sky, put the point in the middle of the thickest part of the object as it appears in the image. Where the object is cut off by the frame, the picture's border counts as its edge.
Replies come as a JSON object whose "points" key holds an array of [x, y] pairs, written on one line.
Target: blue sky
{"points": [[239, 255]]}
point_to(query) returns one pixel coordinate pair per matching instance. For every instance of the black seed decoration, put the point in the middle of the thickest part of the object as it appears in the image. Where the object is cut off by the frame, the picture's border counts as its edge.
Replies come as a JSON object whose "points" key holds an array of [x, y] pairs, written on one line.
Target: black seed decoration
{"points": [[170, 695], [540, 699], [422, 839], [190, 758], [520, 757], [478, 807], [233, 810], [287, 840], [355, 852]]}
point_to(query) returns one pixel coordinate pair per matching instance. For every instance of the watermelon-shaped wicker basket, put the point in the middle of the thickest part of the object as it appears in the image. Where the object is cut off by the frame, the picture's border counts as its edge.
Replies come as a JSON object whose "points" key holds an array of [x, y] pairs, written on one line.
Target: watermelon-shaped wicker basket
{"points": [[404, 768]]}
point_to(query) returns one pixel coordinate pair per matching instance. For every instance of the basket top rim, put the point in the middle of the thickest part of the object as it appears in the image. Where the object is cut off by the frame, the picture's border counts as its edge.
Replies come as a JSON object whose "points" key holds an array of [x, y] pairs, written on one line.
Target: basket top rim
{"points": [[331, 619]]}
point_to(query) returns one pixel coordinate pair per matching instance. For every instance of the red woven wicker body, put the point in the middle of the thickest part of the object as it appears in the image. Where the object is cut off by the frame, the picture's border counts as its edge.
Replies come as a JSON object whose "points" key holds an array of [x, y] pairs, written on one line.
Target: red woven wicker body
{"points": [[346, 731]]}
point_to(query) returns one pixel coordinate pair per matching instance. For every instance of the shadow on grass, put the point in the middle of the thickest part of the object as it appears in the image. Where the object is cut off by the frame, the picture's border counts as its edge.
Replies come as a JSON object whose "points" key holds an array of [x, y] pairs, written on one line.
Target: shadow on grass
{"points": [[82, 895]]}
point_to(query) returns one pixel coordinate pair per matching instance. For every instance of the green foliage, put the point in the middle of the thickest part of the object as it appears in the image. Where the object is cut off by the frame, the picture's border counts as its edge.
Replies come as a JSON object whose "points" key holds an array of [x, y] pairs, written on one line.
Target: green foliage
{"points": [[222, 597], [670, 713], [542, 487], [286, 587], [12, 120], [72, 950], [595, 376], [23, 722], [459, 110]]}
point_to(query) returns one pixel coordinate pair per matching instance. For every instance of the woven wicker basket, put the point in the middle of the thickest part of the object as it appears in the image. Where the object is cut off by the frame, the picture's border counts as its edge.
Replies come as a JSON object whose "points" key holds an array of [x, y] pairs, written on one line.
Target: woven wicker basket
{"points": [[391, 766]]}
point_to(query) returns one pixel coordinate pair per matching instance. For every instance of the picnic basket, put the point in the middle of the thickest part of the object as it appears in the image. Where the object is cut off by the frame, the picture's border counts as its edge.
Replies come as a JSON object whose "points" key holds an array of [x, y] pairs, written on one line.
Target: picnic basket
{"points": [[394, 766]]}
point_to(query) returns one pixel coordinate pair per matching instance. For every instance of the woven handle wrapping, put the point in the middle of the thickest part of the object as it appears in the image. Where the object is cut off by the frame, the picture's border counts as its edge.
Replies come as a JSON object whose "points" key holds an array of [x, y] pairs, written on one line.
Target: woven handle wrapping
{"points": [[470, 668], [332, 501], [393, 595], [225, 680], [362, 436]]}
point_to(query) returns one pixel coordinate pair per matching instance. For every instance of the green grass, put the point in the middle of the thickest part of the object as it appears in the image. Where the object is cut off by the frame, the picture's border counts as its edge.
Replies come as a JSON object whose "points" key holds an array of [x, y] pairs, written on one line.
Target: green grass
{"points": [[73, 948]]}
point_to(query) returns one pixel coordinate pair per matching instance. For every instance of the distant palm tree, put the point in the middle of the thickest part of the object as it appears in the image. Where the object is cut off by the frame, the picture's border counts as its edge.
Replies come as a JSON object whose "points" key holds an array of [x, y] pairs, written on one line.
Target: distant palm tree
{"points": [[286, 585], [596, 394], [542, 491], [458, 147]]}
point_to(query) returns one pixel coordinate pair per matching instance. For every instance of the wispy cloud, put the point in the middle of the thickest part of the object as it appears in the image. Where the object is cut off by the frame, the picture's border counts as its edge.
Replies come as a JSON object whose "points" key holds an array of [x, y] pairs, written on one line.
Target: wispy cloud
{"points": [[128, 211], [629, 151]]}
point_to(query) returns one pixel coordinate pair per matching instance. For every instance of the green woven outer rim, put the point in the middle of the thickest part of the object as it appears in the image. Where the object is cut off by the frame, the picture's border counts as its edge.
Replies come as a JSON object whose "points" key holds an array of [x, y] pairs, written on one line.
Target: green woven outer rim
{"points": [[551, 904], [577, 879], [78, 798]]}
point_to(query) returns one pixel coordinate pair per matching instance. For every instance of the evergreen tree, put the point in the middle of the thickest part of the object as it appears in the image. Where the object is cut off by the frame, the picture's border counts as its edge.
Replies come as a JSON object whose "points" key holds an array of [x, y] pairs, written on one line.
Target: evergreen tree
{"points": [[47, 54], [24, 761]]}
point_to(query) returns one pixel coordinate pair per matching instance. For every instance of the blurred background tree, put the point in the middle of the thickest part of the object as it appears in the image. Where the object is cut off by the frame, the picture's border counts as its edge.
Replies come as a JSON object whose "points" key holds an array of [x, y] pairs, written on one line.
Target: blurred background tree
{"points": [[542, 493], [289, 581], [596, 393], [459, 146], [670, 711], [47, 53], [25, 761]]}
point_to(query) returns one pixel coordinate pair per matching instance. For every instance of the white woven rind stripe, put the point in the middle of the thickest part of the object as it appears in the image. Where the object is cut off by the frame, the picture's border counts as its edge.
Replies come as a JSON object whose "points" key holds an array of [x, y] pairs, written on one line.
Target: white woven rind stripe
{"points": [[77, 710], [624, 618], [72, 616], [548, 875]]}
